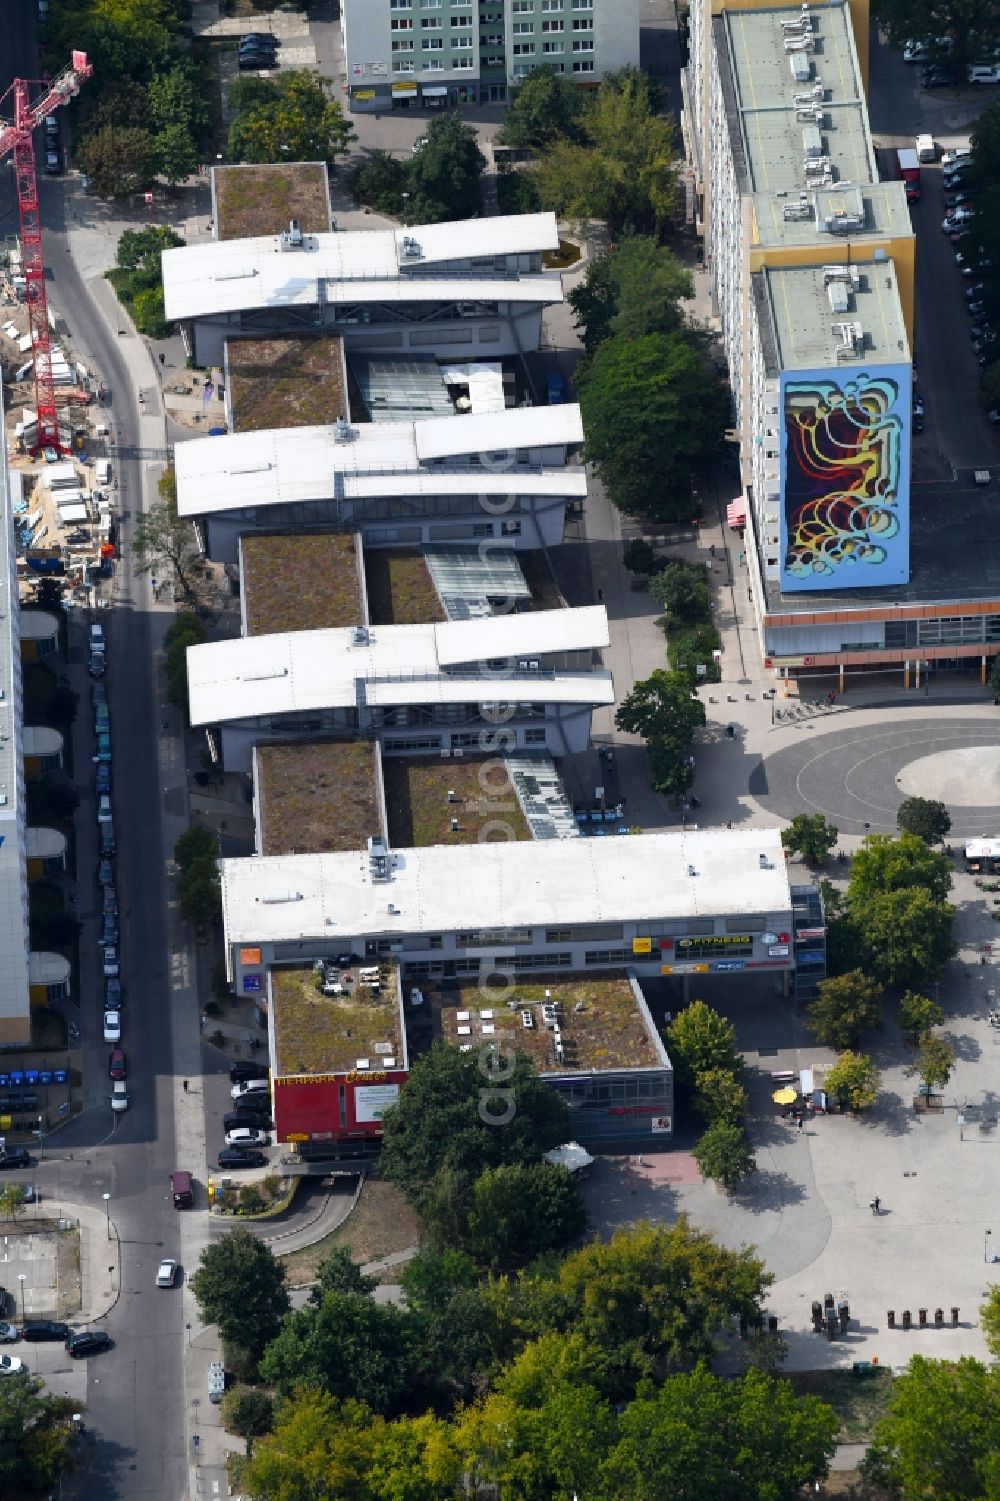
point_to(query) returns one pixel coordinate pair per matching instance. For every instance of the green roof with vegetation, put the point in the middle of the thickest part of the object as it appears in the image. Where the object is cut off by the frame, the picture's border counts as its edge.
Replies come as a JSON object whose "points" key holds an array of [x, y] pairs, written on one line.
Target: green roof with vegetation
{"points": [[316, 1033], [286, 382], [400, 588], [260, 200], [300, 581], [602, 1027], [419, 811], [316, 798]]}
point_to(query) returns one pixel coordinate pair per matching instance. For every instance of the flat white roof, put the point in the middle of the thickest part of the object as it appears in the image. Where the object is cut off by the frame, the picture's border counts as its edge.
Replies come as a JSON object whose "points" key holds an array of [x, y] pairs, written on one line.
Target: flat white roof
{"points": [[221, 276], [982, 849], [555, 882], [562, 482], [281, 466], [399, 664]]}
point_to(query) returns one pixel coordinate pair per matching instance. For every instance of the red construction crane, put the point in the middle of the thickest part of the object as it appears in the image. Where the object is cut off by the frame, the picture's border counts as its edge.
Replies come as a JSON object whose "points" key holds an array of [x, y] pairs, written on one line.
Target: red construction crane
{"points": [[16, 137]]}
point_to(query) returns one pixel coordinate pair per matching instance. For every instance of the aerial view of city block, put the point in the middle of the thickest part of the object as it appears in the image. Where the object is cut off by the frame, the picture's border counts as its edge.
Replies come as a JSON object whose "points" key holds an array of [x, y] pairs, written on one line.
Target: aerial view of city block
{"points": [[499, 750]]}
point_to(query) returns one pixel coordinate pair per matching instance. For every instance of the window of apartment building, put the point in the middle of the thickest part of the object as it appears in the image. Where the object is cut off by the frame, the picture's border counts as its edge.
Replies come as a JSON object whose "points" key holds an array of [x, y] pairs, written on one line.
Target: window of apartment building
{"points": [[432, 65], [482, 938], [400, 67], [430, 23], [523, 7], [492, 41], [549, 47], [458, 22], [582, 4], [401, 23], [461, 41], [524, 49], [491, 17], [584, 46], [433, 44], [403, 45], [551, 5], [552, 25], [400, 4], [608, 956], [430, 4], [585, 25], [535, 737], [523, 28], [586, 66], [415, 746]]}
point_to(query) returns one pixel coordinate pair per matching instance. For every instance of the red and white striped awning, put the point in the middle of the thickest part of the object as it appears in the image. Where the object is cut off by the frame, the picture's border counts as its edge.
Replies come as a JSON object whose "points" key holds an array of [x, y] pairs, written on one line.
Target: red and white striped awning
{"points": [[736, 512]]}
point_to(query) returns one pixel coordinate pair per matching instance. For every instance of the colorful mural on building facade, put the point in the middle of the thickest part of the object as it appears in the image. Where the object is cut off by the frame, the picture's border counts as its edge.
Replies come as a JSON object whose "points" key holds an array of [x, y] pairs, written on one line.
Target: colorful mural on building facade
{"points": [[845, 478]]}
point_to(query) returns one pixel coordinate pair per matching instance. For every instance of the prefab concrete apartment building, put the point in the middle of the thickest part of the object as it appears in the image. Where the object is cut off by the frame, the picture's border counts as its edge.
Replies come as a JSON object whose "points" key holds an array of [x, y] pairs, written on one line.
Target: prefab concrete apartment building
{"points": [[429, 54]]}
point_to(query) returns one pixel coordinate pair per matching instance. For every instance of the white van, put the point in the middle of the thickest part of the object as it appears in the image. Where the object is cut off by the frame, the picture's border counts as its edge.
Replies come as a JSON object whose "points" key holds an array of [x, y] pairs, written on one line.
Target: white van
{"points": [[104, 471], [926, 149]]}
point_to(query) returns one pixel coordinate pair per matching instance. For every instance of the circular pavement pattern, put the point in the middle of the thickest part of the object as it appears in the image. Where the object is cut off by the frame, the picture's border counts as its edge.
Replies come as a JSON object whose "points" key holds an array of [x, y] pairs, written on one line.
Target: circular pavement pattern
{"points": [[858, 776]]}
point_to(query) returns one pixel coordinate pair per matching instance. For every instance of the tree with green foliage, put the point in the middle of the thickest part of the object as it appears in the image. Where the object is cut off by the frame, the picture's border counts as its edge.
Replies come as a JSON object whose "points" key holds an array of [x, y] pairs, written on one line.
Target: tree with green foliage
{"points": [[923, 817], [51, 802], [36, 1436], [810, 836], [639, 556], [886, 864], [248, 1412], [347, 1344], [187, 630], [137, 276], [700, 1435], [292, 119], [466, 1113], [240, 1286], [719, 1096], [380, 181], [935, 1060], [523, 1210], [724, 1154], [908, 936], [654, 411], [683, 591], [623, 167], [663, 706], [973, 28], [545, 108], [671, 772], [854, 1081], [439, 182], [196, 843], [918, 1014], [651, 1299], [700, 1042], [989, 1319], [13, 1198], [199, 893], [636, 288], [940, 1436], [165, 544], [845, 1007], [118, 160], [338, 1272]]}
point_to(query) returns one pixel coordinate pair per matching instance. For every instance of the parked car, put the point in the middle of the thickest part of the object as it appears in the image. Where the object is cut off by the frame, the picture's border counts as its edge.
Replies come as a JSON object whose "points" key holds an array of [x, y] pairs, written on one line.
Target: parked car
{"points": [[109, 899], [247, 1136], [109, 931], [119, 1096], [914, 52], [166, 1273], [98, 694], [106, 836], [9, 1333], [87, 1342], [15, 1157], [96, 664], [114, 993], [239, 1157], [116, 1063], [51, 126], [103, 745], [262, 59], [938, 76], [984, 73], [110, 962], [251, 1086], [105, 873], [961, 199], [253, 39], [104, 813], [44, 1329], [112, 1026], [233, 1120], [956, 154], [102, 779], [240, 1071], [252, 1104], [957, 222], [11, 1365]]}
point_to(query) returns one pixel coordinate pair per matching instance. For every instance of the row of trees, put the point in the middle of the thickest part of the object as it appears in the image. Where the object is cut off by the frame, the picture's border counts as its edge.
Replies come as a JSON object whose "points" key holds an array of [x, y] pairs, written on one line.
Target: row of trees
{"points": [[137, 279], [287, 118], [708, 1073], [143, 115], [199, 891], [441, 181]]}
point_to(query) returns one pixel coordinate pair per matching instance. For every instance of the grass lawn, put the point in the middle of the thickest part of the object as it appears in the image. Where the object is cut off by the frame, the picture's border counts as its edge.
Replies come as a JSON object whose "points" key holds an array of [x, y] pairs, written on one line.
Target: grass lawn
{"points": [[260, 200], [557, 260], [286, 382], [419, 813], [316, 798], [400, 588], [317, 1033], [300, 582], [381, 1223], [858, 1401]]}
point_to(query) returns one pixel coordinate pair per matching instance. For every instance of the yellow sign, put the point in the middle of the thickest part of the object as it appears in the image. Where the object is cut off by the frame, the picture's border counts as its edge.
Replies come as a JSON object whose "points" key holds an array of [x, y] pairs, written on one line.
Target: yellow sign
{"points": [[713, 942], [403, 88], [297, 1136], [6, 1121], [683, 969], [642, 945], [364, 1076], [362, 93], [307, 1079]]}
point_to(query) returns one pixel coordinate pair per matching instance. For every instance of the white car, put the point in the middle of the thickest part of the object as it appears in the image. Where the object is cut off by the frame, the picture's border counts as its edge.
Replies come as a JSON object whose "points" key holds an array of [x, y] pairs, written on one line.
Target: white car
{"points": [[166, 1273], [984, 73], [11, 1366], [955, 155], [119, 1096], [957, 221], [112, 1026], [250, 1086], [9, 1333], [110, 962], [247, 1136], [104, 808]]}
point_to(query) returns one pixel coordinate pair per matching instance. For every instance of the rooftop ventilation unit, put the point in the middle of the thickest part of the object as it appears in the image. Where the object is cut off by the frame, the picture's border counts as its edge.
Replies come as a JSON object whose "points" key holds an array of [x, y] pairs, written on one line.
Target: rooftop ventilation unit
{"points": [[378, 859], [812, 144], [801, 209], [410, 250], [291, 238], [802, 19], [850, 274], [839, 296], [801, 67], [814, 112], [843, 222], [815, 95], [360, 635], [852, 340], [342, 431], [804, 43]]}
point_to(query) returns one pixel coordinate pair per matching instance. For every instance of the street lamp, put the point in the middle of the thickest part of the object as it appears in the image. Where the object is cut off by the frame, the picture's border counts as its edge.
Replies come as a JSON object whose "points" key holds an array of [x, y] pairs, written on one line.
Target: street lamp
{"points": [[22, 1277], [107, 1211], [987, 1253]]}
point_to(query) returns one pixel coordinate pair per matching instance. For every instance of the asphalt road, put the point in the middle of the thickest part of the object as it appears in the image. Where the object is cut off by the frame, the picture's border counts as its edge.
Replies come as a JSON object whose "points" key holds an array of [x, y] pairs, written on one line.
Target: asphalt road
{"points": [[135, 1394]]}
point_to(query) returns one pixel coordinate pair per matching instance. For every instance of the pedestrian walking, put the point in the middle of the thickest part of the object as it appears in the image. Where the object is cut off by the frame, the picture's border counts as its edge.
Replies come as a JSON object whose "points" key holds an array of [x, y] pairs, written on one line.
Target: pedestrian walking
{"points": [[163, 359], [600, 594], [801, 1122], [184, 1085], [878, 1204]]}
